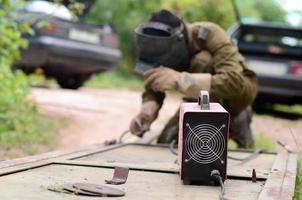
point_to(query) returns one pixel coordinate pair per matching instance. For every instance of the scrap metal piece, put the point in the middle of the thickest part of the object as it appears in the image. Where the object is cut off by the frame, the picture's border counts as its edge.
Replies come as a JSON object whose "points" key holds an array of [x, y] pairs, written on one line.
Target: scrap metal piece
{"points": [[76, 190], [99, 190], [119, 177], [254, 176]]}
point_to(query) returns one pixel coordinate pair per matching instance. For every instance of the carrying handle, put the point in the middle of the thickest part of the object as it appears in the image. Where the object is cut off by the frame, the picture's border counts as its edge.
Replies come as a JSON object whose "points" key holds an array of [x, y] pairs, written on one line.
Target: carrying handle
{"points": [[204, 100]]}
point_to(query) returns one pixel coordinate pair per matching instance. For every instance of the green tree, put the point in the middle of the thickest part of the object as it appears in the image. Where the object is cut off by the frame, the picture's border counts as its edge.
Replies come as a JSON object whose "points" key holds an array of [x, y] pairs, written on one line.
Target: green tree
{"points": [[270, 10], [262, 10], [125, 15], [19, 118]]}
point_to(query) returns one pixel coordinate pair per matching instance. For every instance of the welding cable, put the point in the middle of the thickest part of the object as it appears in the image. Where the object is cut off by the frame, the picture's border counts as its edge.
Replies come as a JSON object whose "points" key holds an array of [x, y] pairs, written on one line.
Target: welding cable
{"points": [[222, 189], [171, 147], [115, 141], [247, 158], [217, 177], [120, 140]]}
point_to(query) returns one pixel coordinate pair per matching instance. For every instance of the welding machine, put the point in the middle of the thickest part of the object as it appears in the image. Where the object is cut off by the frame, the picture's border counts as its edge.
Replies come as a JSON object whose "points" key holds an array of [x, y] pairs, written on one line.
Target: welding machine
{"points": [[203, 139]]}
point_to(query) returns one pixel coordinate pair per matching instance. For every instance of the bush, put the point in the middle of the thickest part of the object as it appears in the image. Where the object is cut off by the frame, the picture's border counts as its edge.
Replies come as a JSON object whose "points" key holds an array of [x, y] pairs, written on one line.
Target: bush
{"points": [[20, 123]]}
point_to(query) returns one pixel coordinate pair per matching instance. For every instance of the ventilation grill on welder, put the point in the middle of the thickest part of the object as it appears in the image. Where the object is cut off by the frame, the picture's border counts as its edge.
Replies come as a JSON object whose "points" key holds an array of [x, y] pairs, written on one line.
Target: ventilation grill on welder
{"points": [[204, 143]]}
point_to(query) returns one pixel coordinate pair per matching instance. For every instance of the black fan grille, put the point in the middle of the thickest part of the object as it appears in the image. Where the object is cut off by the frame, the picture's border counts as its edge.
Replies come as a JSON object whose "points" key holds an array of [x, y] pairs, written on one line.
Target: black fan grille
{"points": [[205, 143]]}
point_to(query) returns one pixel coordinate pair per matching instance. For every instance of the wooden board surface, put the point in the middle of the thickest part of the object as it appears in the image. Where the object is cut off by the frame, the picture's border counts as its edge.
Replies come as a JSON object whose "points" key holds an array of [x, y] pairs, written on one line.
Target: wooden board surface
{"points": [[153, 174], [32, 184]]}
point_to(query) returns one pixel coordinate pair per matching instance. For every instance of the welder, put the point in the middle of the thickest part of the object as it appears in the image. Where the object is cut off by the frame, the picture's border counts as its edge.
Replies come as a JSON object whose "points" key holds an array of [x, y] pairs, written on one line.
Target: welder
{"points": [[188, 57]]}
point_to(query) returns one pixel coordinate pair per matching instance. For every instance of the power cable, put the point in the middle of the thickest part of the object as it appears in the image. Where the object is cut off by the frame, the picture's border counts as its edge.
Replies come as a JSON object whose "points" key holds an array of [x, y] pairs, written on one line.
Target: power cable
{"points": [[215, 174]]}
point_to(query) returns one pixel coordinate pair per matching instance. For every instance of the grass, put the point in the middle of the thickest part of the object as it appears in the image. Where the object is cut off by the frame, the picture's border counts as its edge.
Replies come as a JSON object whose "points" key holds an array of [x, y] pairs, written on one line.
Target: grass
{"points": [[39, 134], [261, 142], [298, 189], [115, 79], [294, 109]]}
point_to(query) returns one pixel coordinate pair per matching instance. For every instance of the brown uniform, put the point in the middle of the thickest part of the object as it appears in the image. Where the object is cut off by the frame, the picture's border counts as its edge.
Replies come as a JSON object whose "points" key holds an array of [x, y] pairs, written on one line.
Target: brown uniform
{"points": [[217, 66]]}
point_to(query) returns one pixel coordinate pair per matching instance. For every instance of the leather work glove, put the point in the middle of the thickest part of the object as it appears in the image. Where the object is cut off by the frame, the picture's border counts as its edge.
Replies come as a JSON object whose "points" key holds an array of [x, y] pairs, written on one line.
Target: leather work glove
{"points": [[142, 122], [162, 79]]}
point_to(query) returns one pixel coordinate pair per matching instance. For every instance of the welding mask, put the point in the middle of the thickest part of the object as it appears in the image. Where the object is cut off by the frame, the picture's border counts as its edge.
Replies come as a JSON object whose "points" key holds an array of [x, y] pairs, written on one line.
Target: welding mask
{"points": [[161, 41]]}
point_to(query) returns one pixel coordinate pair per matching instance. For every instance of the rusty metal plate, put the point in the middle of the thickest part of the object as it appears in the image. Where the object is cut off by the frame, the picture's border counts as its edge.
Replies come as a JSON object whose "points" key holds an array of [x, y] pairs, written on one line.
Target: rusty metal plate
{"points": [[70, 188], [100, 190], [119, 177]]}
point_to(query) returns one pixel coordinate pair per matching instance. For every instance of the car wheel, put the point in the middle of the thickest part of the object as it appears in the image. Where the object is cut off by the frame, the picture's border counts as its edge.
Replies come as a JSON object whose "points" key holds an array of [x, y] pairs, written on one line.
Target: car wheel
{"points": [[72, 81]]}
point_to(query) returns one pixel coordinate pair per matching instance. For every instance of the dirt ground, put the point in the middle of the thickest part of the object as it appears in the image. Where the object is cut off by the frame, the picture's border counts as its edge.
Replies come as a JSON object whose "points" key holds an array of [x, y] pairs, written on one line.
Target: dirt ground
{"points": [[95, 115]]}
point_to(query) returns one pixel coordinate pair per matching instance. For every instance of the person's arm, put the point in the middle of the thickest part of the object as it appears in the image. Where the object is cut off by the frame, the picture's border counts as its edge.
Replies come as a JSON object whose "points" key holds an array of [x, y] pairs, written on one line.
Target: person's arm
{"points": [[232, 83], [151, 104]]}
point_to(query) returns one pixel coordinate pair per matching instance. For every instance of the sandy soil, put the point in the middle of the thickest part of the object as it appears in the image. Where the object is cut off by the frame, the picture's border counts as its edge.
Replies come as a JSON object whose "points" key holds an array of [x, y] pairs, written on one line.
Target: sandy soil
{"points": [[95, 115]]}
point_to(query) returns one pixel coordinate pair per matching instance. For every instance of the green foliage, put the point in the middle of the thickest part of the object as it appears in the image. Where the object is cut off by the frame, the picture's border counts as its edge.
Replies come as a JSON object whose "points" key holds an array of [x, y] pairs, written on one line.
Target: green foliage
{"points": [[20, 123], [259, 10], [218, 11], [116, 79], [30, 131], [74, 6], [264, 142], [125, 15], [298, 191], [261, 142], [13, 87], [10, 30], [270, 10], [294, 109]]}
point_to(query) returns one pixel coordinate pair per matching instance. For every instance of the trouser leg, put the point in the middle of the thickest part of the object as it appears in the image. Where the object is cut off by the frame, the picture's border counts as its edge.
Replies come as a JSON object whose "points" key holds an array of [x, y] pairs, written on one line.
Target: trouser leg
{"points": [[240, 130]]}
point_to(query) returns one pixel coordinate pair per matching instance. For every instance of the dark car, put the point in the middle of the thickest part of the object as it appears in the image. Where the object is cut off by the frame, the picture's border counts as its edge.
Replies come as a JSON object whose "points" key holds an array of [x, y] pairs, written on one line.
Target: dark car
{"points": [[68, 50], [274, 52]]}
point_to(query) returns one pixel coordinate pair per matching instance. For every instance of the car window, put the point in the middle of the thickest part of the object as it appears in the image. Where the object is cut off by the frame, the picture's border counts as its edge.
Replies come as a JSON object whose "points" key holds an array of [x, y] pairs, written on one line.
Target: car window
{"points": [[49, 8], [280, 40]]}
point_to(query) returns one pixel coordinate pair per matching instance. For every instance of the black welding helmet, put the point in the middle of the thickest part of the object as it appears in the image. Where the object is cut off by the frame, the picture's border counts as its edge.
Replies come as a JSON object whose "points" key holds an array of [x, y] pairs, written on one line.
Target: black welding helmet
{"points": [[161, 41]]}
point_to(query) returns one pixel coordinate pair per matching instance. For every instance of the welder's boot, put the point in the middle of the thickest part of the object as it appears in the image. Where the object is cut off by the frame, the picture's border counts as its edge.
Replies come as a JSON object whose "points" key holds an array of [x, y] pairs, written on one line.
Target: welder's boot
{"points": [[240, 130], [170, 131]]}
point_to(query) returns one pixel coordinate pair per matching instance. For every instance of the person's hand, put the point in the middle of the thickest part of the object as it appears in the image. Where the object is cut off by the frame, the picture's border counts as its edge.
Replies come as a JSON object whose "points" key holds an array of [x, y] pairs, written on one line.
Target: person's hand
{"points": [[142, 122], [162, 79]]}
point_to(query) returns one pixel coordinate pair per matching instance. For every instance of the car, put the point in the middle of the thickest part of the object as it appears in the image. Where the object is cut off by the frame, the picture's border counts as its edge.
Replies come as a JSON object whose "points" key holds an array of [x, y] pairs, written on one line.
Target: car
{"points": [[66, 49], [274, 52]]}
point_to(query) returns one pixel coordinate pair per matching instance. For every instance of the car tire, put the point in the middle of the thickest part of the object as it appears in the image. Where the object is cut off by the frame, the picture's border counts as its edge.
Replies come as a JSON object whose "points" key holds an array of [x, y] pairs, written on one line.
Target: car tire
{"points": [[72, 81]]}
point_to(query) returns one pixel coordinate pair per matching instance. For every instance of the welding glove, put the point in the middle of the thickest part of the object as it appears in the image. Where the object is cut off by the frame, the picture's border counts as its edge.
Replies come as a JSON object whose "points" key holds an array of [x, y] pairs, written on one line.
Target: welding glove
{"points": [[143, 121], [163, 79]]}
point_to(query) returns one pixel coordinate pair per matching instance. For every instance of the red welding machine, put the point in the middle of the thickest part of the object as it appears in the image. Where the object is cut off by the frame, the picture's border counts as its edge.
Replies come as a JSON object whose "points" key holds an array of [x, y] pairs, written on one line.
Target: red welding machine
{"points": [[203, 139]]}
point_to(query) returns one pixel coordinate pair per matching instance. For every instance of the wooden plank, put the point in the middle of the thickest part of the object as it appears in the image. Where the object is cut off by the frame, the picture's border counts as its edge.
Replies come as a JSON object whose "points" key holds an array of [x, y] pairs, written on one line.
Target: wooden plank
{"points": [[133, 154], [138, 156], [245, 172], [281, 181], [152, 166], [32, 162], [50, 155], [32, 184], [288, 186], [243, 190], [239, 172], [88, 163]]}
